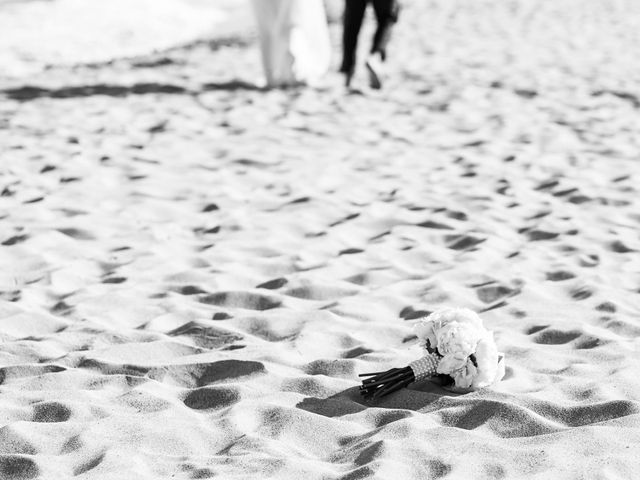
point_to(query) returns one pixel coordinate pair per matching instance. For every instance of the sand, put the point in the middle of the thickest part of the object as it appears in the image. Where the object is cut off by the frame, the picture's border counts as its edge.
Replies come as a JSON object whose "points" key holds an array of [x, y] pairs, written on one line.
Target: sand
{"points": [[195, 270]]}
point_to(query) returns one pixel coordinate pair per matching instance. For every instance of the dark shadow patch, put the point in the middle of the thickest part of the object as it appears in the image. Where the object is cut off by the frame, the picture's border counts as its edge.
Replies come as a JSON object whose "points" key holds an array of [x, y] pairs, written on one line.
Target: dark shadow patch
{"points": [[385, 417], [190, 290], [607, 307], [154, 63], [249, 162], [546, 185], [23, 371], [77, 233], [525, 93], [522, 422], [565, 192], [61, 308], [356, 352], [560, 275], [50, 412], [579, 199], [619, 247], [438, 469], [350, 251], [71, 445], [370, 453], [202, 473], [538, 235], [15, 240], [211, 397], [11, 296], [581, 293], [28, 92], [359, 473], [136, 372], [345, 219], [226, 369], [200, 230], [228, 348], [89, 465], [115, 280], [463, 242], [251, 301], [553, 336], [435, 225], [541, 214], [408, 313], [18, 467], [591, 260], [221, 316], [626, 96], [494, 306], [589, 414], [205, 336], [456, 215], [230, 86], [70, 179], [273, 284], [587, 342], [335, 406], [491, 293], [379, 236], [536, 329], [13, 443], [212, 207], [299, 200], [358, 279]]}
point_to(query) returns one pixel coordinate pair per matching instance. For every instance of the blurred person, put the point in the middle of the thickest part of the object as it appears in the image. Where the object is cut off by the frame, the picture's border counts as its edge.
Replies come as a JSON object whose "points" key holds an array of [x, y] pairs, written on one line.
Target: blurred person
{"points": [[294, 41], [386, 12]]}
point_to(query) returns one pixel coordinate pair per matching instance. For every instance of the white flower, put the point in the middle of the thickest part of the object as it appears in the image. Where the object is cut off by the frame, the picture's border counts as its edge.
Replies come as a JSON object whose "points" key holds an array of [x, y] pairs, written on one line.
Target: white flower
{"points": [[469, 354]]}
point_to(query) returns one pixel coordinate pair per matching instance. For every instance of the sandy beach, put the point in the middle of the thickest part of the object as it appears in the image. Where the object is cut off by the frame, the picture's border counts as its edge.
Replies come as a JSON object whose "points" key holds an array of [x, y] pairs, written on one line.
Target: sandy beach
{"points": [[194, 270]]}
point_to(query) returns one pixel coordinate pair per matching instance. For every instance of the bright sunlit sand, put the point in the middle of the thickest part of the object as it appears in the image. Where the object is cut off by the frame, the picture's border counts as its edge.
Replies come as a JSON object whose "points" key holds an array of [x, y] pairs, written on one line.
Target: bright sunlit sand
{"points": [[195, 270]]}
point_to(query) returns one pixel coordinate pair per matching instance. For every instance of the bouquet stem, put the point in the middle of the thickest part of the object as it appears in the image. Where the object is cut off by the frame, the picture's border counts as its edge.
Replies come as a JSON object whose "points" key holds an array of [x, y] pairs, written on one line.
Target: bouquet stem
{"points": [[380, 384]]}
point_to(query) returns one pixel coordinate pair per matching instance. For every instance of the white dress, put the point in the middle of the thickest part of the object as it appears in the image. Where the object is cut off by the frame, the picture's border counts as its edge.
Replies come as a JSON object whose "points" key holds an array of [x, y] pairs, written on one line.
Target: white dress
{"points": [[294, 40]]}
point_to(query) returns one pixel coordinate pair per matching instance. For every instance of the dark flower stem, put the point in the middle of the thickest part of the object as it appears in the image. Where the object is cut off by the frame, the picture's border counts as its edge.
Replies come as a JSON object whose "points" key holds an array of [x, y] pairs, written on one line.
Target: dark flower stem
{"points": [[380, 384]]}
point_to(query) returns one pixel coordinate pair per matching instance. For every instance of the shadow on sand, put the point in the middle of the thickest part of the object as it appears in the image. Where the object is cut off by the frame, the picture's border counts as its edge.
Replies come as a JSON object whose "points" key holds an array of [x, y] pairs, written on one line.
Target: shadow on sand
{"points": [[350, 401], [27, 93]]}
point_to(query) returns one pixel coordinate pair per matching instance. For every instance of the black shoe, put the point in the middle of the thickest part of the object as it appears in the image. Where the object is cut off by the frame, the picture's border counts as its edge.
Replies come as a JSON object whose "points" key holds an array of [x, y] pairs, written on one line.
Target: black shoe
{"points": [[374, 67]]}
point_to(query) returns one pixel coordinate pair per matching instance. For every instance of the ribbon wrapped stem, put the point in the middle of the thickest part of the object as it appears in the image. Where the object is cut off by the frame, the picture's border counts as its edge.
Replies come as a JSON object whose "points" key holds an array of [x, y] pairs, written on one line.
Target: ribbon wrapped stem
{"points": [[380, 384]]}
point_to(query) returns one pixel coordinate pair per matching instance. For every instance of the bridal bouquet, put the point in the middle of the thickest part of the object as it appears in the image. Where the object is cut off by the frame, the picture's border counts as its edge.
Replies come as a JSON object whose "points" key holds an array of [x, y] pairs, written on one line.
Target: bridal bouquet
{"points": [[456, 345]]}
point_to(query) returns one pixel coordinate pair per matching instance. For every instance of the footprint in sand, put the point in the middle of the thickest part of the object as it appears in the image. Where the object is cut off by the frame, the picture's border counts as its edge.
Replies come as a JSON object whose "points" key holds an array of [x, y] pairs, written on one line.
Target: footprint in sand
{"points": [[89, 464], [607, 307], [492, 293], [273, 284], [13, 442], [551, 336], [409, 313], [463, 242], [206, 398], [228, 369], [18, 467], [560, 275], [50, 412], [251, 301], [206, 336]]}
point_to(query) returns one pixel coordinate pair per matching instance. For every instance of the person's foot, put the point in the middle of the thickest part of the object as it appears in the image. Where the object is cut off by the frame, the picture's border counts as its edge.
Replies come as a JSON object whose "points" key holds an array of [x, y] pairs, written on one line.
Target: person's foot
{"points": [[348, 76], [375, 69]]}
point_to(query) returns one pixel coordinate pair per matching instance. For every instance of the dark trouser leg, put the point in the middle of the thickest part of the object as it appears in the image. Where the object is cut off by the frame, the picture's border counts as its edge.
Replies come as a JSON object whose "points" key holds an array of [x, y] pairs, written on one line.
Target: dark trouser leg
{"points": [[353, 16], [387, 16]]}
